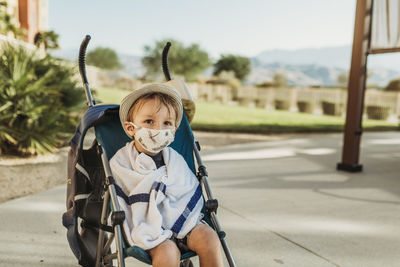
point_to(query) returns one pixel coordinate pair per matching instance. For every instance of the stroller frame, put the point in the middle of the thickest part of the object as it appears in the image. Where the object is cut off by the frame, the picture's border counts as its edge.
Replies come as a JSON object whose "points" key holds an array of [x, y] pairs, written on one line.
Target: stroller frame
{"points": [[111, 212]]}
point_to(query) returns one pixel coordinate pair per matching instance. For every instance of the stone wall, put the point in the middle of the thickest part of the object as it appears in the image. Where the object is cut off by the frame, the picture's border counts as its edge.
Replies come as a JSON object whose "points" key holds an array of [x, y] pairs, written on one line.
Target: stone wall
{"points": [[316, 101]]}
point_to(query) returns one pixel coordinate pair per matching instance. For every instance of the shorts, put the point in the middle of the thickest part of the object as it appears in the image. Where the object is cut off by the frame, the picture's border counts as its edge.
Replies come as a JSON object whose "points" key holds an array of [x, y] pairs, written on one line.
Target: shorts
{"points": [[182, 242]]}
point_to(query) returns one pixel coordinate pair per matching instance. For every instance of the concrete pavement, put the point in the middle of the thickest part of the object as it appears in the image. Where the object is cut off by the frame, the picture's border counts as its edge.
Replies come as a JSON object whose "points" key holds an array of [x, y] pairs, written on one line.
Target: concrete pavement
{"points": [[282, 203]]}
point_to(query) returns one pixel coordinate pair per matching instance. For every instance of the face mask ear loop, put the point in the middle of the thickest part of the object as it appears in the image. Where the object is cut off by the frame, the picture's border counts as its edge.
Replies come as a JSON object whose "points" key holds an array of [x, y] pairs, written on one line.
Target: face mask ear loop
{"points": [[134, 126]]}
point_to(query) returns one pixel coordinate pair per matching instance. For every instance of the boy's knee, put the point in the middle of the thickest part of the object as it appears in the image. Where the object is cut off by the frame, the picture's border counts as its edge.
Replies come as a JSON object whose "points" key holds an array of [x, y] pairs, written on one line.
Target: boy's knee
{"points": [[172, 256], [212, 237], [166, 254], [207, 236], [206, 243]]}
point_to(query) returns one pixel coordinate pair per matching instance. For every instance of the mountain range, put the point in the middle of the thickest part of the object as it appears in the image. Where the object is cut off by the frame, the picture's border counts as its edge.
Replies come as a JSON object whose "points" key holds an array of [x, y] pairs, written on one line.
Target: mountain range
{"points": [[321, 66], [302, 67]]}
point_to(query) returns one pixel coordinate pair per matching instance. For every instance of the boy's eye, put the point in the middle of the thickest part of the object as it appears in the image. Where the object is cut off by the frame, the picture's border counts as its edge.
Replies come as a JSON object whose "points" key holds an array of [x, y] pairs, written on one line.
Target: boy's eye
{"points": [[168, 123], [148, 121]]}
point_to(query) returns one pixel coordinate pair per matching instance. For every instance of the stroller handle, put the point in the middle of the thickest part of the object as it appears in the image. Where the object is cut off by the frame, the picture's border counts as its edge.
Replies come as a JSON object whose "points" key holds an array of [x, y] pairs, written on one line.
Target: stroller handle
{"points": [[82, 60], [165, 61], [82, 70]]}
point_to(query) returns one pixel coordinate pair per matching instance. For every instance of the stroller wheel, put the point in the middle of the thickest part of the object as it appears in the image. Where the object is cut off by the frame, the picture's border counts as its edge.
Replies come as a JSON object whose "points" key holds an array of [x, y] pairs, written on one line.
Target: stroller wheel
{"points": [[186, 263]]}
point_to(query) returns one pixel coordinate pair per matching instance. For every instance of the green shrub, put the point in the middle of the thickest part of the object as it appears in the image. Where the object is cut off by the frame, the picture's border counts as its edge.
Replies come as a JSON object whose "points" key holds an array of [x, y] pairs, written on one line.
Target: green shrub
{"points": [[37, 100], [332, 108], [393, 86], [305, 106], [378, 112], [282, 105]]}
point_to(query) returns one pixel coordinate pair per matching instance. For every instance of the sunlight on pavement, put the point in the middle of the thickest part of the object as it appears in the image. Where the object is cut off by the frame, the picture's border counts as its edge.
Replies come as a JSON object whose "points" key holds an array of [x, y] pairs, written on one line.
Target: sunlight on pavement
{"points": [[315, 224], [37, 206], [340, 226], [47, 158], [369, 195], [316, 178], [385, 155], [267, 154], [295, 141], [386, 141], [317, 151], [255, 154]]}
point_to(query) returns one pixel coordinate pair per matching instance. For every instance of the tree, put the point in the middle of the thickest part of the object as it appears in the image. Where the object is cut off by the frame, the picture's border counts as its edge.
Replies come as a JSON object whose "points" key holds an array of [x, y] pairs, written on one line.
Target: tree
{"points": [[241, 66], [104, 58], [343, 79], [7, 23], [394, 86], [49, 39], [280, 79], [187, 61]]}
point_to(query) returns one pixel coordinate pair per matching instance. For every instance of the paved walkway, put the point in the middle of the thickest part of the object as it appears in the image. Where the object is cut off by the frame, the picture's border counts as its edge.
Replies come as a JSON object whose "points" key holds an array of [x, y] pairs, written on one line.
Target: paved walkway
{"points": [[282, 204]]}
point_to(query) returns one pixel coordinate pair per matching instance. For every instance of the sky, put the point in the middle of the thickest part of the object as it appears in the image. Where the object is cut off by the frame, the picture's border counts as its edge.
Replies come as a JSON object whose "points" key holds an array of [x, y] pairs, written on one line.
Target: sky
{"points": [[245, 27]]}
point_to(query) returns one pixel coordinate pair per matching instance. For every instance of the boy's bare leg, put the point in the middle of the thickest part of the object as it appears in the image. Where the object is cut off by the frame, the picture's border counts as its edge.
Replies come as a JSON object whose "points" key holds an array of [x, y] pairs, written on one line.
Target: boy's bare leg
{"points": [[166, 254], [205, 242]]}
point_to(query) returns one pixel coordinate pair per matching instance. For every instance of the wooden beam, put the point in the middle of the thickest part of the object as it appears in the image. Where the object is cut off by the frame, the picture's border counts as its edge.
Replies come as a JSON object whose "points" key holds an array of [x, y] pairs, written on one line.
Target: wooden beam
{"points": [[384, 50], [356, 88]]}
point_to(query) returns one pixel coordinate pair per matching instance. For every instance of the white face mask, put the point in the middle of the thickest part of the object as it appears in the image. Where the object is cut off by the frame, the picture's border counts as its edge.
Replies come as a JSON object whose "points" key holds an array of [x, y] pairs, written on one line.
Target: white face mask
{"points": [[153, 140]]}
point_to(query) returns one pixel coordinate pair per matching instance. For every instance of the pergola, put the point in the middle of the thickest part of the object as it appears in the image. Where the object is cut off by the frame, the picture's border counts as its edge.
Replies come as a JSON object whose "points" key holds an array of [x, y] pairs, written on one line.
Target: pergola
{"points": [[376, 31]]}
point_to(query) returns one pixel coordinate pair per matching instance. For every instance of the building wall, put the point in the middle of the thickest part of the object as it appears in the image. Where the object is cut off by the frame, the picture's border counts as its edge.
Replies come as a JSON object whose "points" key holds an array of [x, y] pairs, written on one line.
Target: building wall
{"points": [[43, 15], [33, 17]]}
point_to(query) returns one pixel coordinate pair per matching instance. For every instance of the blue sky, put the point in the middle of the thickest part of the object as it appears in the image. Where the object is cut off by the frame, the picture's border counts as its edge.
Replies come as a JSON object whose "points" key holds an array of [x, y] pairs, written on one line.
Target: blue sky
{"points": [[220, 26]]}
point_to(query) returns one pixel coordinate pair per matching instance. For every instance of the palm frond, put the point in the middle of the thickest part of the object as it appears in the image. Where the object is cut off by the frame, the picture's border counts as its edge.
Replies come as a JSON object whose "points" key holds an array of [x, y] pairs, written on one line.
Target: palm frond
{"points": [[36, 96]]}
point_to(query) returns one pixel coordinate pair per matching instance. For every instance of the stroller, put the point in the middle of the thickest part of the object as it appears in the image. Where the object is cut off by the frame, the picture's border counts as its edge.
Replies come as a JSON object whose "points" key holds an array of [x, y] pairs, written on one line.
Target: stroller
{"points": [[93, 218]]}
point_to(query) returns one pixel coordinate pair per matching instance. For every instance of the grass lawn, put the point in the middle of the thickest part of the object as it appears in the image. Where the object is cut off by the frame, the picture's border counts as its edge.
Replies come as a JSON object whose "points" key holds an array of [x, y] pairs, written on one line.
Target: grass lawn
{"points": [[109, 95], [219, 117]]}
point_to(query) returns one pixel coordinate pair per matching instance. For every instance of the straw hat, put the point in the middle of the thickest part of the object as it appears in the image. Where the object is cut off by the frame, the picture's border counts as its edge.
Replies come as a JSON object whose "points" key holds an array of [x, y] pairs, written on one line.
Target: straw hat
{"points": [[128, 101]]}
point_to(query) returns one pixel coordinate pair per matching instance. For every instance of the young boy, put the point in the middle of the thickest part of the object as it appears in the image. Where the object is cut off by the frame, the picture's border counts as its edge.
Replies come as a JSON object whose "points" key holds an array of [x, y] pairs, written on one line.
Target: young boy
{"points": [[160, 195]]}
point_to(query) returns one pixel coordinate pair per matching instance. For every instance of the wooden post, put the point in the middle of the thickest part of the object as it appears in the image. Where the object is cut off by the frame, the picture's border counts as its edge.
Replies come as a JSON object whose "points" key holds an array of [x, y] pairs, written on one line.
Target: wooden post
{"points": [[356, 88]]}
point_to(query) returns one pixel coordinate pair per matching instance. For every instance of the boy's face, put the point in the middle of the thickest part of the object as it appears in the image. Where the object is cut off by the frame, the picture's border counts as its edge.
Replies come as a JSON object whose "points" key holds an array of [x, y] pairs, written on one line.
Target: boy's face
{"points": [[152, 114]]}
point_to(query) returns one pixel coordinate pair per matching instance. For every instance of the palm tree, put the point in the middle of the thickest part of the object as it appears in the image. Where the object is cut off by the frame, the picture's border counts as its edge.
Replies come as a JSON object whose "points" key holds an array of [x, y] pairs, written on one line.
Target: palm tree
{"points": [[36, 98], [49, 39]]}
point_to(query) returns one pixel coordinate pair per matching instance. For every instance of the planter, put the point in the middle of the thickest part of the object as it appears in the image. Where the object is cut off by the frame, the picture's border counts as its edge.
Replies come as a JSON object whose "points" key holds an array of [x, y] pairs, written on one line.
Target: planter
{"points": [[246, 102], [261, 103], [282, 105], [24, 176], [377, 112], [332, 108], [305, 106]]}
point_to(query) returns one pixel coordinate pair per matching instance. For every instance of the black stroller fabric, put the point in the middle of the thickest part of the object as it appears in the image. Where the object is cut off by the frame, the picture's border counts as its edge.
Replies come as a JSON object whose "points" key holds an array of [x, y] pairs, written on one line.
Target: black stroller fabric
{"points": [[85, 186]]}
